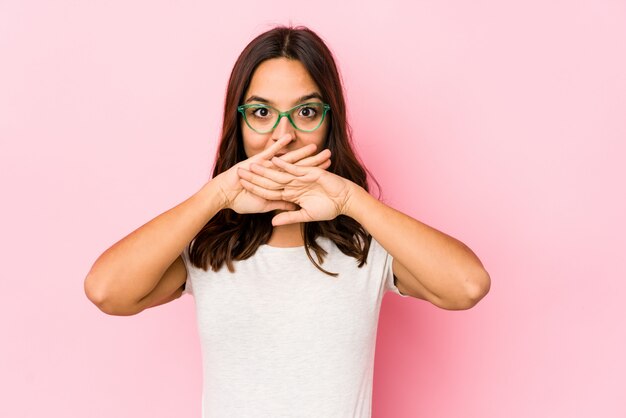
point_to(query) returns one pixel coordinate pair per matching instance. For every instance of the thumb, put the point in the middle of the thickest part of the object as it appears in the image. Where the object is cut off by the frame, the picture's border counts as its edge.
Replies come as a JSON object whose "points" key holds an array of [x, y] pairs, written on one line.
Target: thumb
{"points": [[279, 205], [290, 217]]}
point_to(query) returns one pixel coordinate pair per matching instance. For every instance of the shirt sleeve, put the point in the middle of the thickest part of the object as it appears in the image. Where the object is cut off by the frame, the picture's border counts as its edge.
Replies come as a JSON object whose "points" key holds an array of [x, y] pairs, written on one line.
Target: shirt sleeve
{"points": [[388, 277], [188, 289]]}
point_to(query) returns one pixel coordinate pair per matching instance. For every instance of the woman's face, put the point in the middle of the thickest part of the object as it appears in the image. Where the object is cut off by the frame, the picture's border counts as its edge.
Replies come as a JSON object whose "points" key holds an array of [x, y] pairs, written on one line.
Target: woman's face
{"points": [[282, 83]]}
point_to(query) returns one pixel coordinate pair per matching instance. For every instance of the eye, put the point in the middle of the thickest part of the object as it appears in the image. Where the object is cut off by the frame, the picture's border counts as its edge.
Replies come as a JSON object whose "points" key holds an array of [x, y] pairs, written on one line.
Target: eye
{"points": [[307, 112], [261, 112]]}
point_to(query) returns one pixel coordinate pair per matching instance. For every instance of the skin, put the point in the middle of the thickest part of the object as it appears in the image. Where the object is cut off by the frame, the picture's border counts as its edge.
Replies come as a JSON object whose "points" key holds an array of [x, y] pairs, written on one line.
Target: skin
{"points": [[282, 82], [427, 263], [284, 174]]}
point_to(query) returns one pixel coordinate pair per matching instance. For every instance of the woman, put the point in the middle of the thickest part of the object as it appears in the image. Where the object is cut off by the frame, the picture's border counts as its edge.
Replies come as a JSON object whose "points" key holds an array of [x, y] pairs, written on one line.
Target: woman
{"points": [[286, 253]]}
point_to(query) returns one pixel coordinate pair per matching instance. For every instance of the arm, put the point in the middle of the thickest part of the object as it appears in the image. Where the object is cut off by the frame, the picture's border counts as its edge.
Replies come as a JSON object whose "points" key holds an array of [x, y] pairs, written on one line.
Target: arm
{"points": [[427, 263], [133, 267], [145, 269]]}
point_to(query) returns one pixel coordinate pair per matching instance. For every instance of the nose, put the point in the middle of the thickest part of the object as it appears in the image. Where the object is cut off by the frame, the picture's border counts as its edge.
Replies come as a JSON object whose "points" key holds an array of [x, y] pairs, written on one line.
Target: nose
{"points": [[283, 127]]}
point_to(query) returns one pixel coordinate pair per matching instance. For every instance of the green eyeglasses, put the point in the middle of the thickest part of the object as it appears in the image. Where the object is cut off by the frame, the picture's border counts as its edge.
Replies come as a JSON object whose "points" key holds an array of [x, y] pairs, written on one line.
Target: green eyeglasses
{"points": [[305, 117]]}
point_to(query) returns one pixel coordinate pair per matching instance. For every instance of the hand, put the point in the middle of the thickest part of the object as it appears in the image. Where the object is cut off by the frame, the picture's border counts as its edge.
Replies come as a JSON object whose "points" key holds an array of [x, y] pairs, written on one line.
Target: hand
{"points": [[320, 194], [235, 197]]}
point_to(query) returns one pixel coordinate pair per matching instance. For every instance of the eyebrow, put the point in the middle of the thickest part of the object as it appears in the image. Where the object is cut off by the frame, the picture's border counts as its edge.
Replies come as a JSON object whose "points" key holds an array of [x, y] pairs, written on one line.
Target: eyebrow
{"points": [[299, 100]]}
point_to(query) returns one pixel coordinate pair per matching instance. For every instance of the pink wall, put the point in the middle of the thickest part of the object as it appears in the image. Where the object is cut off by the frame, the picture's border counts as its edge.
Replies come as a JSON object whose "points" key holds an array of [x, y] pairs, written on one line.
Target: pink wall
{"points": [[498, 122]]}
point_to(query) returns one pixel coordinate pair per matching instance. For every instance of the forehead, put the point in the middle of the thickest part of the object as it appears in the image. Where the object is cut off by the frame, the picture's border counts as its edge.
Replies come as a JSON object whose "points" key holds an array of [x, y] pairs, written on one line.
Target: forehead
{"points": [[281, 81]]}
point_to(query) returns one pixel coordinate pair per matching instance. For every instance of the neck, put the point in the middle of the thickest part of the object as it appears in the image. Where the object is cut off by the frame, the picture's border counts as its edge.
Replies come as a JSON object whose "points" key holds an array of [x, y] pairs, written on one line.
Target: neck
{"points": [[287, 236]]}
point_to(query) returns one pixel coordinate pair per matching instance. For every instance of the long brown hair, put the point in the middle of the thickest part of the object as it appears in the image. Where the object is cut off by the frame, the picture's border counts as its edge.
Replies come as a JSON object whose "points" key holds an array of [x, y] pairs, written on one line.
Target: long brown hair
{"points": [[232, 236]]}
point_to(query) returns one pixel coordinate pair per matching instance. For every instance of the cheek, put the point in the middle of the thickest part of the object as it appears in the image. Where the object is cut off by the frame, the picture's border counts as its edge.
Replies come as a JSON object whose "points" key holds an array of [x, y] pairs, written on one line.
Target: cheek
{"points": [[321, 141], [317, 137], [253, 143]]}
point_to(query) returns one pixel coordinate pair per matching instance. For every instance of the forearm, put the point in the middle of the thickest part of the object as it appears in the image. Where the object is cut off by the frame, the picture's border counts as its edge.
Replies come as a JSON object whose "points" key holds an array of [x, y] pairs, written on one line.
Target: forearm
{"points": [[441, 263], [133, 266]]}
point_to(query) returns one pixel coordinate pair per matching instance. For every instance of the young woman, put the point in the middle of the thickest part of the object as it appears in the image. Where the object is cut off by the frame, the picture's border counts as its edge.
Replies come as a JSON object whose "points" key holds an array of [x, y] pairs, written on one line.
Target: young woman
{"points": [[285, 252]]}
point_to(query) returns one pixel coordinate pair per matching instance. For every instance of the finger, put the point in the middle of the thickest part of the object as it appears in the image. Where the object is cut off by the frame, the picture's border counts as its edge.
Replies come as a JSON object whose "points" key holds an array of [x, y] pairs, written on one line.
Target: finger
{"points": [[259, 179], [280, 178], [290, 168], [299, 154], [315, 159], [260, 191], [269, 164], [271, 151], [324, 165], [291, 217]]}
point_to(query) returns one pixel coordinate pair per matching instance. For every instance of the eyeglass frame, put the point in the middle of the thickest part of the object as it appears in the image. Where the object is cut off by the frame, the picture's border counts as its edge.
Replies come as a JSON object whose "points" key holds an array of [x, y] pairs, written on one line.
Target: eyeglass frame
{"points": [[242, 108]]}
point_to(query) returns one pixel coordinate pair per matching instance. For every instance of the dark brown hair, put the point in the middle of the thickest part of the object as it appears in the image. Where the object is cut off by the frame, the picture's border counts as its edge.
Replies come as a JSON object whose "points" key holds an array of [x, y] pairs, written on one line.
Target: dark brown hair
{"points": [[231, 236]]}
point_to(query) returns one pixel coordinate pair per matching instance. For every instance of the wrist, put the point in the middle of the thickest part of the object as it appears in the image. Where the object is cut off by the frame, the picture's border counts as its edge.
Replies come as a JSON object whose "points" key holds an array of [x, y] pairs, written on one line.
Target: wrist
{"points": [[354, 198], [213, 194]]}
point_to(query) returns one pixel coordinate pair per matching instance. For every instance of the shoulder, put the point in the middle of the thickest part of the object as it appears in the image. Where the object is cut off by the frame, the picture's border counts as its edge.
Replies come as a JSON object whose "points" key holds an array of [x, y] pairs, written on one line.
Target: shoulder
{"points": [[376, 249]]}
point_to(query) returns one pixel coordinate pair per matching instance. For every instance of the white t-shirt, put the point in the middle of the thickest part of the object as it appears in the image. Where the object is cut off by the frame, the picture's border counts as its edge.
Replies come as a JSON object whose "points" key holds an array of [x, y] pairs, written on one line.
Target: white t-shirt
{"points": [[280, 338]]}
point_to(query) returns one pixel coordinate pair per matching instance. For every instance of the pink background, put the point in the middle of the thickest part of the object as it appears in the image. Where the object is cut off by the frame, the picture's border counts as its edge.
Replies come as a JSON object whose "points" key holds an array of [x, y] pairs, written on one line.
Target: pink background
{"points": [[498, 122]]}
